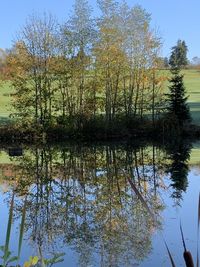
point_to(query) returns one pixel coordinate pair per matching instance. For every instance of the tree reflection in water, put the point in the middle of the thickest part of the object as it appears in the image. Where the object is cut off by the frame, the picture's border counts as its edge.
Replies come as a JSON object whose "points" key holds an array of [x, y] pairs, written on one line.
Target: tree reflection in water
{"points": [[179, 153], [80, 197]]}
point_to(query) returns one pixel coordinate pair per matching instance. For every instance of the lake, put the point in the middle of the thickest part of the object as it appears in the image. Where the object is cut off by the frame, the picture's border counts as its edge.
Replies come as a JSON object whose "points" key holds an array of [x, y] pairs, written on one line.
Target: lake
{"points": [[102, 205]]}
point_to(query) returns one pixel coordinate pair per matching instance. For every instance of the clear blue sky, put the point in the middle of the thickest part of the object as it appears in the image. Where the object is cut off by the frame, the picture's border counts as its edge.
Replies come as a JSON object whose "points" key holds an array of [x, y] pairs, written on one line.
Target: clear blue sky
{"points": [[175, 19]]}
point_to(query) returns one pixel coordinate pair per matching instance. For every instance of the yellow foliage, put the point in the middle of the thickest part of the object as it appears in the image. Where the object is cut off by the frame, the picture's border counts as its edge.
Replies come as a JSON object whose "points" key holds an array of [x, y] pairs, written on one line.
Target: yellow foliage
{"points": [[32, 262]]}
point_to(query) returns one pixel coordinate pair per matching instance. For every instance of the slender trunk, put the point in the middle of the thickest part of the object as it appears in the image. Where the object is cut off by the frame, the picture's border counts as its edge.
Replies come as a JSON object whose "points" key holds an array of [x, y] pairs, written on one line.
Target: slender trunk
{"points": [[153, 100]]}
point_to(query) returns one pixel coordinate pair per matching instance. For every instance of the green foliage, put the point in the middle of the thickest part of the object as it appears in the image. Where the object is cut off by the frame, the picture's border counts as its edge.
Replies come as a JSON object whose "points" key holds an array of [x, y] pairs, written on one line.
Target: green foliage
{"points": [[58, 257]]}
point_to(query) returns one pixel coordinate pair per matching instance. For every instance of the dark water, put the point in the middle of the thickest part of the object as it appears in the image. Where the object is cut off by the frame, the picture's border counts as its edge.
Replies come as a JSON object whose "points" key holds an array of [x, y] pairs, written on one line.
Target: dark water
{"points": [[106, 205]]}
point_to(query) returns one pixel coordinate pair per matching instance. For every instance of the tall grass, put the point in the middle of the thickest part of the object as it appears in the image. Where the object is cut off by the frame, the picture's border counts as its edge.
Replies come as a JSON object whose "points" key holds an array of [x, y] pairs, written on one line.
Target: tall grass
{"points": [[7, 255]]}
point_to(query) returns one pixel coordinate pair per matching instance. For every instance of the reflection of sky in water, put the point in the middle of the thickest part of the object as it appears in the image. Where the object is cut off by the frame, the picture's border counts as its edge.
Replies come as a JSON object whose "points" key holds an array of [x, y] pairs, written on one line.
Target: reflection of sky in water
{"points": [[171, 217]]}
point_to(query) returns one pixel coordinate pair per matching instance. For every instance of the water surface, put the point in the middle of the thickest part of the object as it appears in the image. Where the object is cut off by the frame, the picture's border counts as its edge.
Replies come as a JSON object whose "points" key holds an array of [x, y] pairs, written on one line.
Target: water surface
{"points": [[103, 205]]}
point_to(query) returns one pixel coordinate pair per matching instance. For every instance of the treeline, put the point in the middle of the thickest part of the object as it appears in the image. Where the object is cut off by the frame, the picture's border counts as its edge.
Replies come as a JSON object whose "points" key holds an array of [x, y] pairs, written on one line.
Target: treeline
{"points": [[87, 69]]}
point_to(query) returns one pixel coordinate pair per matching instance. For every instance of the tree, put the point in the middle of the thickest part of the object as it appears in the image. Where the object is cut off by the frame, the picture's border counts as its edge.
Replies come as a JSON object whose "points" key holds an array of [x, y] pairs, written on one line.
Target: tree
{"points": [[178, 58], [166, 62], [33, 77], [2, 60], [126, 53], [70, 75], [141, 46], [81, 27], [109, 57], [177, 101]]}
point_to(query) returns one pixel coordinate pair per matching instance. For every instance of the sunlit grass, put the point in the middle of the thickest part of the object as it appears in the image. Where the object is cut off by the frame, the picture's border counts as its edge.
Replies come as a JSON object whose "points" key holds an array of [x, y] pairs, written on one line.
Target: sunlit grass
{"points": [[5, 102]]}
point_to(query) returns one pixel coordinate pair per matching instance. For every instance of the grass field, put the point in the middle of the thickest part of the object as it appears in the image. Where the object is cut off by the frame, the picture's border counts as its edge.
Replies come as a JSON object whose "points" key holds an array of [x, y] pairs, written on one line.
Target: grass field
{"points": [[5, 102], [192, 84], [191, 80]]}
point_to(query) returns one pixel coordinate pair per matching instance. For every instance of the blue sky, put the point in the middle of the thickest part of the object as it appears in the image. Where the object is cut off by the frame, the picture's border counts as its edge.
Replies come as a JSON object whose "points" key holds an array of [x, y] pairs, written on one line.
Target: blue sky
{"points": [[175, 19]]}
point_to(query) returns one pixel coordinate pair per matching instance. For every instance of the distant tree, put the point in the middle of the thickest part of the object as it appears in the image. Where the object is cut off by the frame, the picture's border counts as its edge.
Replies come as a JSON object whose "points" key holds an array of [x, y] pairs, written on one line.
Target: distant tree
{"points": [[163, 62], [2, 57], [166, 62], [195, 61], [178, 58], [2, 61], [178, 108]]}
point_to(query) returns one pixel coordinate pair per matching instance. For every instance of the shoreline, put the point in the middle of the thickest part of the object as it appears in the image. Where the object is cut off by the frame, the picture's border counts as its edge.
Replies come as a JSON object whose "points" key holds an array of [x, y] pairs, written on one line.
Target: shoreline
{"points": [[11, 134]]}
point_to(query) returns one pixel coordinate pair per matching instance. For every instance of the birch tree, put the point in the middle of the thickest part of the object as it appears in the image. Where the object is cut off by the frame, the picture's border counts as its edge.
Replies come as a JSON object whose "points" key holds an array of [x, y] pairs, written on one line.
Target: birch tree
{"points": [[36, 50]]}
